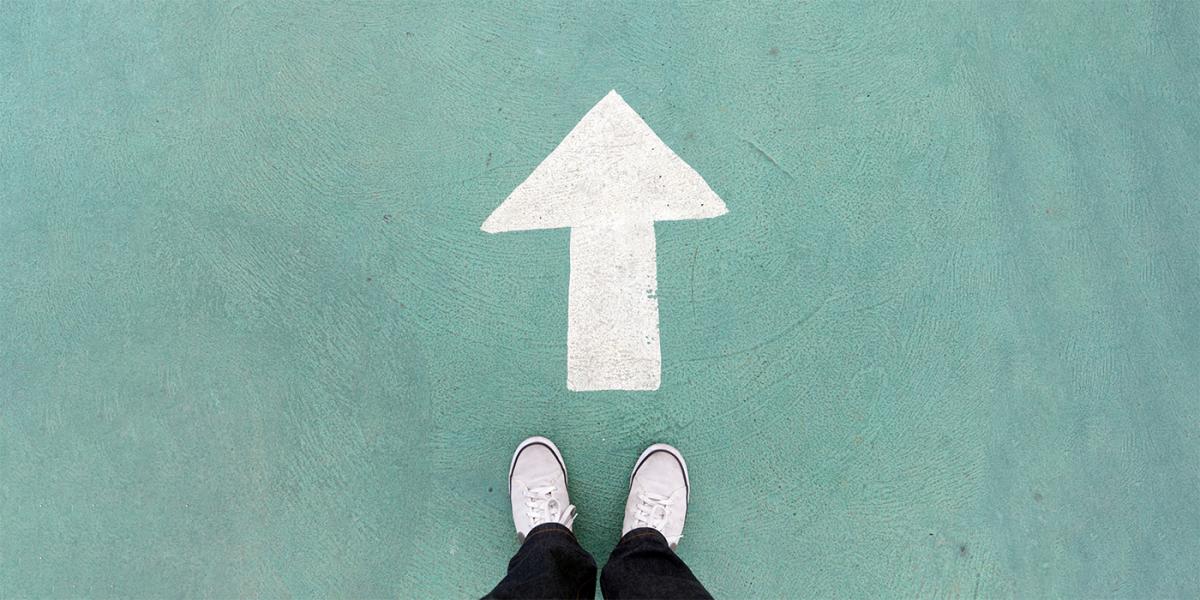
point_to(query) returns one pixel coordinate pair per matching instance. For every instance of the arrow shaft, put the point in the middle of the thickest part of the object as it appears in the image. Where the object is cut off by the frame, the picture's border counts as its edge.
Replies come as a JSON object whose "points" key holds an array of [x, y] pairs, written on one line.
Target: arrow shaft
{"points": [[612, 314]]}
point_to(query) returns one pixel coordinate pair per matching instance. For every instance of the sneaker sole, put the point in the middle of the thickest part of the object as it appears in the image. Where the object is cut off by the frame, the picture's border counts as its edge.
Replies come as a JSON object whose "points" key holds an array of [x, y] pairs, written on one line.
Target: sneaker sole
{"points": [[537, 440], [669, 449]]}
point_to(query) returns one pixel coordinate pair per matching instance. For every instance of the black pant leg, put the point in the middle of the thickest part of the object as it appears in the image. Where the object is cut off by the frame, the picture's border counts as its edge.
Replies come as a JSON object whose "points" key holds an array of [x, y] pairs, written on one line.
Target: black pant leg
{"points": [[550, 564], [644, 566]]}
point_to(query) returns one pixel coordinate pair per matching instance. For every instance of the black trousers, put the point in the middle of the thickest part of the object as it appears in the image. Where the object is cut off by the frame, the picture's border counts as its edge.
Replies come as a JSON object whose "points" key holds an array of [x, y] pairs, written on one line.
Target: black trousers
{"points": [[551, 564]]}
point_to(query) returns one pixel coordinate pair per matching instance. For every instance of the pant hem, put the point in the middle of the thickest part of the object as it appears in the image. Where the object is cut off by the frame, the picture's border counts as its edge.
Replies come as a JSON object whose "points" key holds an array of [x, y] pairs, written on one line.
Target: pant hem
{"points": [[642, 532], [548, 529]]}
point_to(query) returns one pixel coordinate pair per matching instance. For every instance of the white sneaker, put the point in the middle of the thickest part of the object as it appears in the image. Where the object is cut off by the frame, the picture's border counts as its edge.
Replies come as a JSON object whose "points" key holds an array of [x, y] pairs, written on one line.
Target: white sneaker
{"points": [[658, 493], [537, 485]]}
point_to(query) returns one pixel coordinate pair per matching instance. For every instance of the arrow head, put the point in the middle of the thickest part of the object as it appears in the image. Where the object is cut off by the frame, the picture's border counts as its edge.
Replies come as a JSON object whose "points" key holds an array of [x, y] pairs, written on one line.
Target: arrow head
{"points": [[610, 168]]}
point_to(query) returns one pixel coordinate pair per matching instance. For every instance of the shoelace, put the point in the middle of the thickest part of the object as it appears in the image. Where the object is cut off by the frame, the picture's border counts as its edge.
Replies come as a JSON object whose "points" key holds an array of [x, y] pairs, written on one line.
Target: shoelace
{"points": [[543, 507], [653, 510]]}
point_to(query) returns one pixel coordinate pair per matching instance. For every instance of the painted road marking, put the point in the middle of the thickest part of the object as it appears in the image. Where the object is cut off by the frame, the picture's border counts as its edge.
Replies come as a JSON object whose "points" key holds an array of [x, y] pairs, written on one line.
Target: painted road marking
{"points": [[609, 180]]}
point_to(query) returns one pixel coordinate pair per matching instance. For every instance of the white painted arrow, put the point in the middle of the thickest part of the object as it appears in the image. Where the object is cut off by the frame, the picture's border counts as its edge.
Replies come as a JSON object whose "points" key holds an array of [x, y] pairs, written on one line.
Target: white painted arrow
{"points": [[609, 180]]}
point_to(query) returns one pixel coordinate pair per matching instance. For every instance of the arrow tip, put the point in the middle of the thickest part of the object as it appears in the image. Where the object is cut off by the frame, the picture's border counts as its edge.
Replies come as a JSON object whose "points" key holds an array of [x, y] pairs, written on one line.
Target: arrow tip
{"points": [[610, 167]]}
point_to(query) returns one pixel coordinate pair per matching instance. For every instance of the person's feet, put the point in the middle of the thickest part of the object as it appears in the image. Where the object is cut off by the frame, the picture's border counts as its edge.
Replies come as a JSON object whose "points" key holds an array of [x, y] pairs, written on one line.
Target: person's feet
{"points": [[658, 493], [537, 485]]}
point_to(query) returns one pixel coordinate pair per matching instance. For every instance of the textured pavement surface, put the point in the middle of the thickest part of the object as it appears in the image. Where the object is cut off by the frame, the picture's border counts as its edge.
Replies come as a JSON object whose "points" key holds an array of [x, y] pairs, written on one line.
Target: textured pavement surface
{"points": [[945, 344]]}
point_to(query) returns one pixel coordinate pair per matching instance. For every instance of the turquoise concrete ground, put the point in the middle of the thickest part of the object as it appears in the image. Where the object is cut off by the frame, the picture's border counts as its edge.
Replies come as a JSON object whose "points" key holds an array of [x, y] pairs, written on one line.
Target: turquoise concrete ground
{"points": [[253, 342]]}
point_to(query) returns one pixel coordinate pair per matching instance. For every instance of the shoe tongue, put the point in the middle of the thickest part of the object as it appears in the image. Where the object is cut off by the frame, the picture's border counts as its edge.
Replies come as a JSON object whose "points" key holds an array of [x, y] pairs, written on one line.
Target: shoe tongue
{"points": [[550, 511]]}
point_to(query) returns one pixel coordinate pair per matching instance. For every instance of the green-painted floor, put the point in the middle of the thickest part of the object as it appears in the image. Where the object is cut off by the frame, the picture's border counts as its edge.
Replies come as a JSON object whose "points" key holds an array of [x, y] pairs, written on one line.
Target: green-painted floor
{"points": [[253, 342]]}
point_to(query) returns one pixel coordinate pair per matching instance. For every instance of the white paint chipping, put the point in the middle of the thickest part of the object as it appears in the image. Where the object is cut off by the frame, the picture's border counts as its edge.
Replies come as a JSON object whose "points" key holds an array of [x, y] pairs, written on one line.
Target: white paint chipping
{"points": [[609, 180]]}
